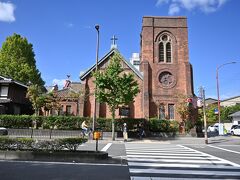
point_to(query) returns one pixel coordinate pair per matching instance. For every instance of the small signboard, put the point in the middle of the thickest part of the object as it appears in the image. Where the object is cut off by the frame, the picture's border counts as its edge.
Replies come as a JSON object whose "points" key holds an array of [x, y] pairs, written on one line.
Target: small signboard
{"points": [[215, 111]]}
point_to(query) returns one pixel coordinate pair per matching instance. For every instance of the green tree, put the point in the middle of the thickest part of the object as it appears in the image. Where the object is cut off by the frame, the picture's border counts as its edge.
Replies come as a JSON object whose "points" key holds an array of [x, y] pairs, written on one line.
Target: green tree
{"points": [[17, 60], [210, 113], [226, 111], [34, 94], [52, 102], [115, 87], [186, 112]]}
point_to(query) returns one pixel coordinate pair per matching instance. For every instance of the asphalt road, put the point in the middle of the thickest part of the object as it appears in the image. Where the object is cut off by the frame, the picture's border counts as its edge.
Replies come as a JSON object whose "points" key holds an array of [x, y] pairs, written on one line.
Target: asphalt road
{"points": [[61, 171]]}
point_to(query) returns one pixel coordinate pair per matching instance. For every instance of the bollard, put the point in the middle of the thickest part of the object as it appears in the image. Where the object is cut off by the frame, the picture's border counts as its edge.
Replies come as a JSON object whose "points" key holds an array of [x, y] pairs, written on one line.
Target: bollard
{"points": [[96, 136]]}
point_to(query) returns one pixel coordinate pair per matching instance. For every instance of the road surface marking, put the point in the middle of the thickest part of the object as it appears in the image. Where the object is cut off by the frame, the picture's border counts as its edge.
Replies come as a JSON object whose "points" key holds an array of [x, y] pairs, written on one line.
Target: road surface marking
{"points": [[106, 147], [224, 160], [197, 172], [224, 149]]}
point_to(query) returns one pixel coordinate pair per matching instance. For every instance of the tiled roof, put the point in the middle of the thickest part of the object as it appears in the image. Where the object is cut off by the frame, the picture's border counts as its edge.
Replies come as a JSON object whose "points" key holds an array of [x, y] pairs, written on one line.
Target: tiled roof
{"points": [[10, 80], [236, 114], [74, 87]]}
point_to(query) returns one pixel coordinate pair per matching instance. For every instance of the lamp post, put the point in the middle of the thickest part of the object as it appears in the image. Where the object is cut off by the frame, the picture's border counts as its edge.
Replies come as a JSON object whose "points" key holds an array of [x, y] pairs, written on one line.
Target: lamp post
{"points": [[219, 113], [95, 101]]}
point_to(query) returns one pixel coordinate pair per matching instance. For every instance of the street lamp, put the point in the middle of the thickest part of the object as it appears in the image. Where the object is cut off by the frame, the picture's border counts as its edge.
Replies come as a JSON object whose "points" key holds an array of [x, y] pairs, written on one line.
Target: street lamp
{"points": [[219, 113], [95, 101]]}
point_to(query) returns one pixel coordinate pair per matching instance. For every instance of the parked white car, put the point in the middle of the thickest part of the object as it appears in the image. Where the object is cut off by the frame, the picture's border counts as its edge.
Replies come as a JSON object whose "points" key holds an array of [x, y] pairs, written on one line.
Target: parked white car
{"points": [[213, 128], [235, 130]]}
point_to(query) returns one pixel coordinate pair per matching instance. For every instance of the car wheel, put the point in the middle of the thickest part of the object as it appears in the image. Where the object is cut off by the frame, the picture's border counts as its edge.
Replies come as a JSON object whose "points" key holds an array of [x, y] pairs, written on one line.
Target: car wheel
{"points": [[232, 133]]}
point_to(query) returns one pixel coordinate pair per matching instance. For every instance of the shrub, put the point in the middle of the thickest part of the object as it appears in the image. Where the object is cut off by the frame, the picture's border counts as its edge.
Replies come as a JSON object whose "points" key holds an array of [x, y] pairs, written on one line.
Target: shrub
{"points": [[132, 124], [104, 124], [71, 144], [157, 125], [15, 121], [7, 143]]}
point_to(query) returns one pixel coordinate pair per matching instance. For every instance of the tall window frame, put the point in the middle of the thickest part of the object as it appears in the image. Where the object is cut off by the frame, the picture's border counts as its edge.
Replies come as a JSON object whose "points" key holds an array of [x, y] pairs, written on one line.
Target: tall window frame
{"points": [[171, 111], [162, 112], [165, 49]]}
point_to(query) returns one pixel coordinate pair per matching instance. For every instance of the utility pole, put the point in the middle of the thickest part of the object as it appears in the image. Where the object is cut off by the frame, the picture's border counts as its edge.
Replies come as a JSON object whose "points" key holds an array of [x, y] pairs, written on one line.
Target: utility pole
{"points": [[96, 69], [202, 95]]}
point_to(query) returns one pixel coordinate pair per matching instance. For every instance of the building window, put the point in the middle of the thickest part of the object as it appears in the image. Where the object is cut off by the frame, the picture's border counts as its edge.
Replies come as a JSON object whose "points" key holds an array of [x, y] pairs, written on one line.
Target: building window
{"points": [[171, 111], [136, 62], [161, 52], [68, 110], [168, 52], [4, 92], [124, 111], [165, 49], [161, 112]]}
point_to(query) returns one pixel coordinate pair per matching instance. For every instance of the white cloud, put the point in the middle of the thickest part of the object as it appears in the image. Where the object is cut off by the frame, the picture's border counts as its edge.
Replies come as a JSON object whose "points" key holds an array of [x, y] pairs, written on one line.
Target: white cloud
{"points": [[59, 82], [7, 12], [206, 6], [173, 9]]}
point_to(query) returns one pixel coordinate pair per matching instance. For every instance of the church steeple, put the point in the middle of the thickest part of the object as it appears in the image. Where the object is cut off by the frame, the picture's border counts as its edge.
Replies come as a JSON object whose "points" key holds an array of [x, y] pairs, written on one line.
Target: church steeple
{"points": [[114, 45]]}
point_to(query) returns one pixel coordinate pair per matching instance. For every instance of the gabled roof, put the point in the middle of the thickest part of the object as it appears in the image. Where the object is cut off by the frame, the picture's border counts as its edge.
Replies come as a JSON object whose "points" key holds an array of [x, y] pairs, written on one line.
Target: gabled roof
{"points": [[112, 51], [230, 98], [10, 80], [236, 114], [73, 87]]}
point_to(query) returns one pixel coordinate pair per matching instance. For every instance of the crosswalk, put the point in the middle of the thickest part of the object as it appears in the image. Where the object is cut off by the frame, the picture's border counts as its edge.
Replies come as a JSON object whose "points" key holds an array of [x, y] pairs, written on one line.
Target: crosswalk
{"points": [[154, 161]]}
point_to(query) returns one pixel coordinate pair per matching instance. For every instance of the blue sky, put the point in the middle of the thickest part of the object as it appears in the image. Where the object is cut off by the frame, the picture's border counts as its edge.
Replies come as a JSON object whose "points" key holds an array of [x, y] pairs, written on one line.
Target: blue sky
{"points": [[64, 38]]}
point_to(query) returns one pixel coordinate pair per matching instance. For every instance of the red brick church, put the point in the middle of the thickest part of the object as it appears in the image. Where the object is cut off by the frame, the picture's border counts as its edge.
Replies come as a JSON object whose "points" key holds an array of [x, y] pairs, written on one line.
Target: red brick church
{"points": [[164, 71]]}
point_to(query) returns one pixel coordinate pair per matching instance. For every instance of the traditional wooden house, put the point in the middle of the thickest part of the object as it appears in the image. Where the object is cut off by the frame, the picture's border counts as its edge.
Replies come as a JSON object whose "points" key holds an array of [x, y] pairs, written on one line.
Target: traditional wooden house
{"points": [[13, 97]]}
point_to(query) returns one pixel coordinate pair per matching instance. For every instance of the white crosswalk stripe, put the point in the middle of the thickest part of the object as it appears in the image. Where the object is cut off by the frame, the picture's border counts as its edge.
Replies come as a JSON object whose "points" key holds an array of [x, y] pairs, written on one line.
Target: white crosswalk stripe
{"points": [[154, 161]]}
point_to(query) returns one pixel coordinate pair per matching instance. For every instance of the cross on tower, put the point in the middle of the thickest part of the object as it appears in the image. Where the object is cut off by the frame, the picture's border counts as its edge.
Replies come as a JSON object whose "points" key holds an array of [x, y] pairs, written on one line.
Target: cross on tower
{"points": [[114, 39]]}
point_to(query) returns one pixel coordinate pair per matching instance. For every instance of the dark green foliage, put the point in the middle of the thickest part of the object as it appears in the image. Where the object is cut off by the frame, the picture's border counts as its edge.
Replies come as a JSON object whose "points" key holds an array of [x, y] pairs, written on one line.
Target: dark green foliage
{"points": [[15, 121], [104, 124], [71, 144], [17, 60], [74, 123], [132, 124], [157, 125], [47, 122], [226, 111], [7, 143]]}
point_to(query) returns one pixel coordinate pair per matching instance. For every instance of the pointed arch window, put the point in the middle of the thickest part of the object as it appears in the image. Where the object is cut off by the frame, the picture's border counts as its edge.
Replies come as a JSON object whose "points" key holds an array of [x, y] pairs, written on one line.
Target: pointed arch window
{"points": [[165, 49], [161, 52]]}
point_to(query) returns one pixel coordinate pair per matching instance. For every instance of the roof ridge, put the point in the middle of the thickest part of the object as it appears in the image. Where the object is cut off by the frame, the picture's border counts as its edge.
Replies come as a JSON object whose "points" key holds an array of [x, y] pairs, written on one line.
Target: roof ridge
{"points": [[104, 58]]}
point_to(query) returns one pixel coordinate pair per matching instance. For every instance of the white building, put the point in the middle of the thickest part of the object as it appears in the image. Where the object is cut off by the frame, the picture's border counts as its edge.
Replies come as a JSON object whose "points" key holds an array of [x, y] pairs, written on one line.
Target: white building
{"points": [[236, 118], [135, 60], [230, 101]]}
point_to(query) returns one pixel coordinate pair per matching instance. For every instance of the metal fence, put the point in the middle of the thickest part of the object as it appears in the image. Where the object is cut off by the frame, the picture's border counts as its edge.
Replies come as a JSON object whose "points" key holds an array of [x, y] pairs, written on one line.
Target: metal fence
{"points": [[44, 133]]}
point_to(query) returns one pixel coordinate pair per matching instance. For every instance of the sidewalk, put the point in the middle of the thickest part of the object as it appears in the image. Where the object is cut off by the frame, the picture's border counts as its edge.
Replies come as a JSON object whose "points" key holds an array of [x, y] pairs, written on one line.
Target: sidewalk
{"points": [[177, 140]]}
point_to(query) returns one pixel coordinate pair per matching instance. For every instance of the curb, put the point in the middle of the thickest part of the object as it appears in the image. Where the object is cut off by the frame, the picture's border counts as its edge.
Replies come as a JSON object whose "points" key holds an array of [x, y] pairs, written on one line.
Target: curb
{"points": [[53, 156]]}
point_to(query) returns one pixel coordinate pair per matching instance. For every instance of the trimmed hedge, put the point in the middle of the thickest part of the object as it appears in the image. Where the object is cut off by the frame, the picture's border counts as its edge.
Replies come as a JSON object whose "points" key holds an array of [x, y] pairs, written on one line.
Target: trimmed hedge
{"points": [[157, 125], [74, 123], [15, 121], [70, 144], [47, 122]]}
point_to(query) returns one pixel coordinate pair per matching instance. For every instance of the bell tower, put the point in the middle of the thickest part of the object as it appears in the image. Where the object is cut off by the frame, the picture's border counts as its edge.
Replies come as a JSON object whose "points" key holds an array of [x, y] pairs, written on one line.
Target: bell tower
{"points": [[165, 65]]}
